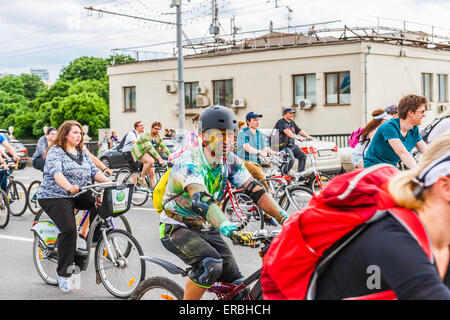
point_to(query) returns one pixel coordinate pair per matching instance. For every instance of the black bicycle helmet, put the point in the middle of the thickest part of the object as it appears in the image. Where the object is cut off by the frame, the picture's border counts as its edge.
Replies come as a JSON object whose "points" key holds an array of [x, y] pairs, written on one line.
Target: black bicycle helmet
{"points": [[217, 117]]}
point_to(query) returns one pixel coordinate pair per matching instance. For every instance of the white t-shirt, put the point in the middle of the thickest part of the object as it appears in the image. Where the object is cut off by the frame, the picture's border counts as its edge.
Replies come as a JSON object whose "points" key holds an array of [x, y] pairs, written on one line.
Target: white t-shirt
{"points": [[128, 145], [442, 127]]}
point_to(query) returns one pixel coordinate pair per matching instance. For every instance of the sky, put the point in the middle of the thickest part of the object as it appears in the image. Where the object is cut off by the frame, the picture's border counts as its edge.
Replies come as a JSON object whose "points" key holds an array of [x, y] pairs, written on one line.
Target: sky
{"points": [[50, 33]]}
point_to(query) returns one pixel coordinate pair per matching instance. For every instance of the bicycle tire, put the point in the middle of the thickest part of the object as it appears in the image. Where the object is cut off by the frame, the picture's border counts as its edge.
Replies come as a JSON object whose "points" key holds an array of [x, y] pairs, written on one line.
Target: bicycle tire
{"points": [[4, 209], [123, 172], [284, 200], [242, 219], [140, 193], [45, 267], [16, 197], [33, 203], [133, 277], [314, 186], [174, 291]]}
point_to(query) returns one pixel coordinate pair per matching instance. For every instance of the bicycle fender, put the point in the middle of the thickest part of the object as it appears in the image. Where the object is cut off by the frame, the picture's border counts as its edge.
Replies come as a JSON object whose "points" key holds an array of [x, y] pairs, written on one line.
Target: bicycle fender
{"points": [[46, 231], [170, 267]]}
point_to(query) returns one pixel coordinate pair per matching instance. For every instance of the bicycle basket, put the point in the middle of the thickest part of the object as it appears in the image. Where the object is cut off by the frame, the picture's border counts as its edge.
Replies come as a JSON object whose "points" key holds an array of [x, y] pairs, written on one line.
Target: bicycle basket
{"points": [[116, 201]]}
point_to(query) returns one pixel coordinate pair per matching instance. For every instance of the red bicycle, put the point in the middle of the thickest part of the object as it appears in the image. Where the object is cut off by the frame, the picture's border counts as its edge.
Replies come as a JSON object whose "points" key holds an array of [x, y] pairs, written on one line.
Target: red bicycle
{"points": [[162, 288]]}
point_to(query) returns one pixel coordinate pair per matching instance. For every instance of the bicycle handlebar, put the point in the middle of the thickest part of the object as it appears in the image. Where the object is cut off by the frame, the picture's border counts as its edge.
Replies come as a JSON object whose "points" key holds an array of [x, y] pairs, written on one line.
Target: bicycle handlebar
{"points": [[94, 186]]}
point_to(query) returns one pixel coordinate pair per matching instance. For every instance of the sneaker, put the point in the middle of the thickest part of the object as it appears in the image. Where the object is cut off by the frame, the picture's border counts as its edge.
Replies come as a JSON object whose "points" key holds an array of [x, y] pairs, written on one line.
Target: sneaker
{"points": [[142, 182], [270, 221], [64, 283]]}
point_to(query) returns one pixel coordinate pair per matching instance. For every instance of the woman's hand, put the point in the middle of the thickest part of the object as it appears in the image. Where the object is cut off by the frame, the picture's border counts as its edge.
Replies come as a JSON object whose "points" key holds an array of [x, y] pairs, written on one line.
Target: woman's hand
{"points": [[74, 189]]}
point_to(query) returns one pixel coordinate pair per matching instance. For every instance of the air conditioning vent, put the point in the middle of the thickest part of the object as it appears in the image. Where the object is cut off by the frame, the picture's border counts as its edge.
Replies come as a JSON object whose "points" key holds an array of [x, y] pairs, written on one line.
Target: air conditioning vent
{"points": [[238, 103], [305, 104], [171, 88], [202, 90], [202, 101]]}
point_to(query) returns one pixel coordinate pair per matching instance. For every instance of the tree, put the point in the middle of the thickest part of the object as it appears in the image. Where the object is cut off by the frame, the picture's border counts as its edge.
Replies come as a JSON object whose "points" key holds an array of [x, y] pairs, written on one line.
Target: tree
{"points": [[12, 85], [32, 85], [85, 68]]}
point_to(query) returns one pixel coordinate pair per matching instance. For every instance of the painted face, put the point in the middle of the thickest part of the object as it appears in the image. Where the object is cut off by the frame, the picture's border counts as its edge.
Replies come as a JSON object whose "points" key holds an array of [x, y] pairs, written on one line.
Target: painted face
{"points": [[74, 136], [219, 143]]}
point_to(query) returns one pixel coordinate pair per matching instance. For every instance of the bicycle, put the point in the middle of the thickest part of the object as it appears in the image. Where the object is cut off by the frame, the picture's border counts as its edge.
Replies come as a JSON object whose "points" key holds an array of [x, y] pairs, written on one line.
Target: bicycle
{"points": [[116, 257], [4, 209], [33, 203], [166, 289], [141, 193], [16, 192]]}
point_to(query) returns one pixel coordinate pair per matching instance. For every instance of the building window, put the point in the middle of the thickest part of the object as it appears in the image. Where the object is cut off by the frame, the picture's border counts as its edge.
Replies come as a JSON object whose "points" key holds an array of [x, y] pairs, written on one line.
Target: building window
{"points": [[305, 88], [223, 92], [337, 88], [129, 99], [427, 86], [442, 87], [190, 92]]}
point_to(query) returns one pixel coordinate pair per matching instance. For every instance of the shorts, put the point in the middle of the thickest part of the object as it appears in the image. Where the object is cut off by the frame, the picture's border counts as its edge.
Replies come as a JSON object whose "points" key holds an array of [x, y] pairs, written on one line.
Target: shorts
{"points": [[192, 246]]}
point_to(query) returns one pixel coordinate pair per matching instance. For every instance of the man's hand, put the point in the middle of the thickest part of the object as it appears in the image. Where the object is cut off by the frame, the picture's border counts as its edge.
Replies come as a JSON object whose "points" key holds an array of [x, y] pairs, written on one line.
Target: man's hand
{"points": [[17, 158], [4, 166], [263, 153], [244, 238], [300, 139]]}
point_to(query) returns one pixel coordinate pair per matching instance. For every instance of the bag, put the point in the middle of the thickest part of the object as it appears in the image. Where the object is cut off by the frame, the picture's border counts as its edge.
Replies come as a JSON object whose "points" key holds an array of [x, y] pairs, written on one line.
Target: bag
{"points": [[345, 207], [39, 163], [116, 200], [354, 137], [426, 132], [122, 142], [159, 190]]}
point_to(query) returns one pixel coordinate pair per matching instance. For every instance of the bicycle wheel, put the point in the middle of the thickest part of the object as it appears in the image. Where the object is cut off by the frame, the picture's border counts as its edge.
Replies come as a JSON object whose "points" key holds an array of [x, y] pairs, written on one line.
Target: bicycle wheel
{"points": [[122, 277], [158, 288], [18, 198], [140, 192], [122, 174], [45, 260], [33, 203], [242, 212], [324, 179], [301, 195], [4, 209]]}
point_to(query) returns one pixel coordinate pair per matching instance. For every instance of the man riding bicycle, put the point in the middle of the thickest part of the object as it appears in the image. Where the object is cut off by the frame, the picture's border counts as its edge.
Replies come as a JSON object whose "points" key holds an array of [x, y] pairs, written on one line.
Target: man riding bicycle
{"points": [[191, 222], [146, 150]]}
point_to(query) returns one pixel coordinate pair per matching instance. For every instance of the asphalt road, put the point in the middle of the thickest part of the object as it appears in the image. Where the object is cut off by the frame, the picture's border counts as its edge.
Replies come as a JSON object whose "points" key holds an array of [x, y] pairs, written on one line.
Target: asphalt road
{"points": [[19, 279]]}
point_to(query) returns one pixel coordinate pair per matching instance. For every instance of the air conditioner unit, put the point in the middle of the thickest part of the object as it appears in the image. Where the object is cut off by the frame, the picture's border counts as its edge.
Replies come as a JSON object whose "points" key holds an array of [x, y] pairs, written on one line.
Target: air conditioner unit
{"points": [[443, 107], [202, 101], [202, 90], [305, 104], [171, 88], [238, 103]]}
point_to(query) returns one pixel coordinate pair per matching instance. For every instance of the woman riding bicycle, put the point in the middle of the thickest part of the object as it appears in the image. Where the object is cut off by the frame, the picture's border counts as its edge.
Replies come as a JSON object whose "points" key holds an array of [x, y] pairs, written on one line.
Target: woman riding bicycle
{"points": [[192, 222], [67, 168]]}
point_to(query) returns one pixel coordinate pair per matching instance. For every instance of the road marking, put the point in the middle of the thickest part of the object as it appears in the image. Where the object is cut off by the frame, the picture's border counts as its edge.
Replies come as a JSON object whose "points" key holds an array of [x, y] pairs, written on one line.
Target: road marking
{"points": [[17, 238], [146, 209]]}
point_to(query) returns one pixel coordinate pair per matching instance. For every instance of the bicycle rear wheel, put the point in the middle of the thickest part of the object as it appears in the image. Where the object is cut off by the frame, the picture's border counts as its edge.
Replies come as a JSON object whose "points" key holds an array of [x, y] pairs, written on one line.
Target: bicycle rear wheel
{"points": [[122, 277], [323, 178], [18, 198], [4, 209], [299, 194], [122, 174], [158, 288], [45, 260], [33, 203], [140, 192]]}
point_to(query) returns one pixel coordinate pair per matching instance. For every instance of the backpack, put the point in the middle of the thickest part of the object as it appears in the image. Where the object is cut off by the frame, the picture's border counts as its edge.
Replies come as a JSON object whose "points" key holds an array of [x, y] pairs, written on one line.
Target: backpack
{"points": [[122, 142], [354, 137], [311, 237], [426, 132], [159, 190]]}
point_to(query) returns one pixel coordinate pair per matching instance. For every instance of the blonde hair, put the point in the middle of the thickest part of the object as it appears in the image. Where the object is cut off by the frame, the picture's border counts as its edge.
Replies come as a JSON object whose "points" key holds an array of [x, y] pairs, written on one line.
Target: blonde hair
{"points": [[401, 187]]}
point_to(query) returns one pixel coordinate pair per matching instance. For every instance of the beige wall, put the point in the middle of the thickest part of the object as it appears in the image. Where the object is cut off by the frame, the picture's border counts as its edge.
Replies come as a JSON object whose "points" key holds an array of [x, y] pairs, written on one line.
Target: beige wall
{"points": [[264, 80]]}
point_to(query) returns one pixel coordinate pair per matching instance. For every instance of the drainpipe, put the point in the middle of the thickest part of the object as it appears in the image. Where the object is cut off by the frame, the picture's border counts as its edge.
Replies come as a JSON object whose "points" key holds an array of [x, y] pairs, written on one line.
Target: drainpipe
{"points": [[366, 108]]}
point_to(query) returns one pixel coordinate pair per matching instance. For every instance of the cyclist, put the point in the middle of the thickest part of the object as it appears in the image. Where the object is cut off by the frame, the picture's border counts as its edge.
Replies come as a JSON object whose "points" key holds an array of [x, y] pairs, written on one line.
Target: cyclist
{"points": [[191, 222], [392, 111], [379, 116], [41, 147], [441, 127], [397, 137], [387, 245], [67, 168], [289, 131], [128, 141], [146, 150]]}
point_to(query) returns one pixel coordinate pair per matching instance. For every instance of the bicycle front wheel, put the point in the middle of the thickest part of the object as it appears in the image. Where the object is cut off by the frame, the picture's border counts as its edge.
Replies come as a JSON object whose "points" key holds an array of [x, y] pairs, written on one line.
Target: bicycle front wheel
{"points": [[158, 288], [140, 192], [33, 203], [299, 194], [319, 181], [118, 263], [122, 174], [4, 209], [18, 198], [243, 212]]}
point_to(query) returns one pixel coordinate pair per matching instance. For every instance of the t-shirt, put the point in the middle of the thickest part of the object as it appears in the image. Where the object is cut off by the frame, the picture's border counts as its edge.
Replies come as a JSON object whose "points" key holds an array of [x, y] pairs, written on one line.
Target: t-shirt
{"points": [[2, 138], [442, 127], [57, 161], [192, 168], [403, 267], [148, 144], [380, 150], [128, 145], [257, 141], [283, 124]]}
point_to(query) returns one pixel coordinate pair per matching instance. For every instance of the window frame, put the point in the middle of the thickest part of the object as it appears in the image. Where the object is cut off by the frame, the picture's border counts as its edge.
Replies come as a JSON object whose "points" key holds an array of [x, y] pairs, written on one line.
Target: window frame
{"points": [[439, 75], [304, 75], [431, 99], [191, 94], [223, 81], [129, 96], [338, 91]]}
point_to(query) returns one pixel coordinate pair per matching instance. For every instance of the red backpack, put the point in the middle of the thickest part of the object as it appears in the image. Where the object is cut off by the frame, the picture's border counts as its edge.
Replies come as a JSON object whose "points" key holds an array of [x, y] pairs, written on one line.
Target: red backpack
{"points": [[335, 216]]}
